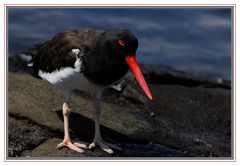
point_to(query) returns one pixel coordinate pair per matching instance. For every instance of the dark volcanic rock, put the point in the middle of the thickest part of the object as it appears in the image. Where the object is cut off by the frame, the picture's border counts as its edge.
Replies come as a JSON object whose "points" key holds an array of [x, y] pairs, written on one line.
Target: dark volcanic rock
{"points": [[189, 116]]}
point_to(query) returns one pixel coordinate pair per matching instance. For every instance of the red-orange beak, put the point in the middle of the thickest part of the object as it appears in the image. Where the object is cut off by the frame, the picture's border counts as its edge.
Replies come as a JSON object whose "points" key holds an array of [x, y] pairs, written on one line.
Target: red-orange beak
{"points": [[132, 62]]}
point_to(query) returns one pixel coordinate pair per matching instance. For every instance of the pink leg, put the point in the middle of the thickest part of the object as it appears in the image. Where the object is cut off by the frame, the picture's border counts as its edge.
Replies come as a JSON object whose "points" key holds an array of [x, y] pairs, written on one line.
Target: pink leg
{"points": [[67, 140]]}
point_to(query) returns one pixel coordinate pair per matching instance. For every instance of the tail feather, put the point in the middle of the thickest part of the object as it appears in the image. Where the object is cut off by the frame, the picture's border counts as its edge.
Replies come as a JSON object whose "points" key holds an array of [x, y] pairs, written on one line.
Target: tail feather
{"points": [[29, 58], [27, 61], [25, 58]]}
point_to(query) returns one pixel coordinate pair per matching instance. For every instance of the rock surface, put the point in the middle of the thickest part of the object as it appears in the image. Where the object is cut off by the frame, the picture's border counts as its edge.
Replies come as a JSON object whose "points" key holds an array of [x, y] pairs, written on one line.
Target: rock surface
{"points": [[189, 117]]}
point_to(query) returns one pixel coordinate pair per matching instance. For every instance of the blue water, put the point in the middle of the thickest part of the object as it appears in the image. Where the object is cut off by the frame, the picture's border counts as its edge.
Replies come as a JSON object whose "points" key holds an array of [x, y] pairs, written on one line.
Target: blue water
{"points": [[195, 40]]}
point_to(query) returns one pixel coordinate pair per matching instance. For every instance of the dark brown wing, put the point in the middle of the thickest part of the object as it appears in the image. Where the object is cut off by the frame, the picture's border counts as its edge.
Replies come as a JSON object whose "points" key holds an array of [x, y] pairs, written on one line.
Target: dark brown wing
{"points": [[56, 53]]}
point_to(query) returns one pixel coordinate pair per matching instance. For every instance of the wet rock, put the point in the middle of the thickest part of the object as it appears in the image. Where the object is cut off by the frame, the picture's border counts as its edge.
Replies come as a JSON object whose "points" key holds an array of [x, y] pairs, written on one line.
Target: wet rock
{"points": [[158, 74], [150, 150], [24, 135]]}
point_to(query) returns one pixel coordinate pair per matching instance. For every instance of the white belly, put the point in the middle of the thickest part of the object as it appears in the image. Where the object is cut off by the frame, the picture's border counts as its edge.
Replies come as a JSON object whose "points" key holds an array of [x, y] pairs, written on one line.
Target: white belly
{"points": [[69, 78]]}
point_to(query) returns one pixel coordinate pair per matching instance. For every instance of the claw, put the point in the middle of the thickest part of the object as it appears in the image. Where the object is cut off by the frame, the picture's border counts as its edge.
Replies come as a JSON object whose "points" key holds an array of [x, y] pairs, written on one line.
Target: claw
{"points": [[104, 146], [68, 143], [92, 145], [80, 145]]}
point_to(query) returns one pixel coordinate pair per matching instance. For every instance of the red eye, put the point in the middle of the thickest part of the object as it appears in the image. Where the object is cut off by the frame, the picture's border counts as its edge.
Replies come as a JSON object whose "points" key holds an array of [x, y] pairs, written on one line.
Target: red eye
{"points": [[121, 43]]}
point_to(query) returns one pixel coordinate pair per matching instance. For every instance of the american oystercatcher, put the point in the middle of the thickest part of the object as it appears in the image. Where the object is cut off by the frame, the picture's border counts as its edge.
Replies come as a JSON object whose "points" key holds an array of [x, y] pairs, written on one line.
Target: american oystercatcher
{"points": [[87, 60]]}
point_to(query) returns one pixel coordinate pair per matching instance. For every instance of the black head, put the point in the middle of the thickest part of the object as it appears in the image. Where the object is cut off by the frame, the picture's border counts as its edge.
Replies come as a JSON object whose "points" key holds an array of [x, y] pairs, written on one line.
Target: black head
{"points": [[120, 42]]}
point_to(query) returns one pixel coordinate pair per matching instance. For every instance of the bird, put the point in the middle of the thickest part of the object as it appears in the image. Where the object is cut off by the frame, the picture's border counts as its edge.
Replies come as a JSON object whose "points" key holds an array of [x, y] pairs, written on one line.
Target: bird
{"points": [[88, 60]]}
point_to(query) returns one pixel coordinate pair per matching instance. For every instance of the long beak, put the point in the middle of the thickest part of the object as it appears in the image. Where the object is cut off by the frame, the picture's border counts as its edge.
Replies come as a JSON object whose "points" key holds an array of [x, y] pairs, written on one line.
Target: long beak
{"points": [[132, 63]]}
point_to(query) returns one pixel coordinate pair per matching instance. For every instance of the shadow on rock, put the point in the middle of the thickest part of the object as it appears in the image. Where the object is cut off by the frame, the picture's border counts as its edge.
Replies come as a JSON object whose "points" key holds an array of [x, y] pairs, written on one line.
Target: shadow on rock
{"points": [[83, 128]]}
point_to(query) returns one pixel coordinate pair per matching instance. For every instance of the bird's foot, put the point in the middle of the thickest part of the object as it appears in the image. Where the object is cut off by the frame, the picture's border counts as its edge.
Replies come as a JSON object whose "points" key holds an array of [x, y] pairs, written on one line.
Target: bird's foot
{"points": [[103, 145], [76, 146]]}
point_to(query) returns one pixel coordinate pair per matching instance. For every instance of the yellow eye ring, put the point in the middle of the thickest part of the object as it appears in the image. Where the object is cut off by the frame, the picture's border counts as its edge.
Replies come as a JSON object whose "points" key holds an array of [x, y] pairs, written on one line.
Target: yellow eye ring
{"points": [[121, 42]]}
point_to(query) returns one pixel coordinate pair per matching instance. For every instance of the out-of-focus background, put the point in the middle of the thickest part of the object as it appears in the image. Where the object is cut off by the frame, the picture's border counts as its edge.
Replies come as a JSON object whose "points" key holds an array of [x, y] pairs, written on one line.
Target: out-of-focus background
{"points": [[185, 57], [196, 40]]}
